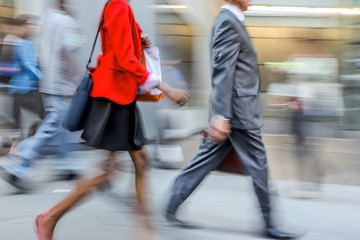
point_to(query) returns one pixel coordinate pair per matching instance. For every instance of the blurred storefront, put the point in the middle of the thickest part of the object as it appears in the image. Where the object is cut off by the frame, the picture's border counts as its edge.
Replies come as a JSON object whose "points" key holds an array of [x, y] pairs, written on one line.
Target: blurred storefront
{"points": [[184, 26], [275, 29]]}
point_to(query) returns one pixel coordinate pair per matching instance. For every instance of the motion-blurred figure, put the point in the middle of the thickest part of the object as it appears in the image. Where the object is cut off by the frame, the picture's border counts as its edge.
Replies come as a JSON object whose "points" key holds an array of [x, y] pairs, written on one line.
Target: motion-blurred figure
{"points": [[24, 85], [60, 38], [317, 100], [235, 116], [350, 69], [168, 154]]}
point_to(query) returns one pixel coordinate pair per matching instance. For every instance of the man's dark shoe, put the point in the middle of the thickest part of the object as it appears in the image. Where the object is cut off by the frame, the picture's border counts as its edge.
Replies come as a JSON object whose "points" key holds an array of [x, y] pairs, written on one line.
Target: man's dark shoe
{"points": [[170, 217], [14, 181], [19, 184], [67, 175], [273, 233]]}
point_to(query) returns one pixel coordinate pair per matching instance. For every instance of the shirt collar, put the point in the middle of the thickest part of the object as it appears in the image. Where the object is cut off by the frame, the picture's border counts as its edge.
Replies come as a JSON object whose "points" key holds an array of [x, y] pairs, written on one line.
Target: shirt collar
{"points": [[235, 10]]}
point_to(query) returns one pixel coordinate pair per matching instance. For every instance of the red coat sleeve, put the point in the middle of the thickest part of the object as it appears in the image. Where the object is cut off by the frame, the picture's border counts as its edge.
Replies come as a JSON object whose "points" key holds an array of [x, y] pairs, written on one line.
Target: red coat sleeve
{"points": [[118, 23]]}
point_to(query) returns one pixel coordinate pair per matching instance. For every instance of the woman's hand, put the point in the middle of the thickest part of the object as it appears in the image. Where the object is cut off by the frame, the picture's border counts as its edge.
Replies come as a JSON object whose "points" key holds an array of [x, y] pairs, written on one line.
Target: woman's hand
{"points": [[145, 41], [176, 95]]}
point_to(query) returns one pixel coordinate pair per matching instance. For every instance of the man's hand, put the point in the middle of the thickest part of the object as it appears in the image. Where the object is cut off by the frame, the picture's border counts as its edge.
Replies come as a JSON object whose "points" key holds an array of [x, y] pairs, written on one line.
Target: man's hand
{"points": [[219, 129], [176, 95]]}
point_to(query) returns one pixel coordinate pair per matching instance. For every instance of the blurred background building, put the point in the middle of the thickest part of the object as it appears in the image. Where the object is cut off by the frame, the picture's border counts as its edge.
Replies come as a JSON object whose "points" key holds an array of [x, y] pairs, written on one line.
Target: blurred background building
{"points": [[309, 60], [184, 25]]}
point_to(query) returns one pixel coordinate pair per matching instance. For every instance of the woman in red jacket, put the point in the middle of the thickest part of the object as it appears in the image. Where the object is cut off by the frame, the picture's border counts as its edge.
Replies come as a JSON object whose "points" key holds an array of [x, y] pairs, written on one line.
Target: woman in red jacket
{"points": [[114, 123]]}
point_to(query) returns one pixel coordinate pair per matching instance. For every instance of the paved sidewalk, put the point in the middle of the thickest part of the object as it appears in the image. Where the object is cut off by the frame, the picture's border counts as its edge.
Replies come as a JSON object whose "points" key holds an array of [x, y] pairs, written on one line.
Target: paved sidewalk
{"points": [[224, 206]]}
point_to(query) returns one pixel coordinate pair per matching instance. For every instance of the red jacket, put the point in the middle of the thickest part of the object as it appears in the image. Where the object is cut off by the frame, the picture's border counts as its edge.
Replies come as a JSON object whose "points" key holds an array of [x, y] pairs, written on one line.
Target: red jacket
{"points": [[119, 70]]}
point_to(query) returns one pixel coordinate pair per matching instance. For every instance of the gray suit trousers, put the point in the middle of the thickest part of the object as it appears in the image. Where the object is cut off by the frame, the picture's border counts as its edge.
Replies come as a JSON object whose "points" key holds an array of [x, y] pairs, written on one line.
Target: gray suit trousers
{"points": [[250, 149]]}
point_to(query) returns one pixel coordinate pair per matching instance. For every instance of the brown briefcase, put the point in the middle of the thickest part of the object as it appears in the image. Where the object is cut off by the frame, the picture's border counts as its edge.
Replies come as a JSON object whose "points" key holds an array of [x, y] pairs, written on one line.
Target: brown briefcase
{"points": [[231, 163]]}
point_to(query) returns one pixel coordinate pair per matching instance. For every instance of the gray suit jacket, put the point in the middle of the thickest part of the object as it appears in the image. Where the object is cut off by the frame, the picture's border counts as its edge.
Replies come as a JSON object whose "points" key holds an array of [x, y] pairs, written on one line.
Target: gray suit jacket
{"points": [[235, 75]]}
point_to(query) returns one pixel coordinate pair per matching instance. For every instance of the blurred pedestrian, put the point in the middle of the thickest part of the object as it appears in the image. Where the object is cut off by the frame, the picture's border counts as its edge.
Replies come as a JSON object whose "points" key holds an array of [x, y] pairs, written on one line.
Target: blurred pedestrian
{"points": [[60, 38], [235, 116], [317, 101], [24, 85], [168, 154], [113, 122]]}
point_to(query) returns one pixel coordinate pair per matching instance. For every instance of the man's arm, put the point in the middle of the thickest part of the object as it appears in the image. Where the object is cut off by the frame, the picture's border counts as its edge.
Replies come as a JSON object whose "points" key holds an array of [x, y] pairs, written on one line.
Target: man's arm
{"points": [[24, 52], [224, 51], [74, 39]]}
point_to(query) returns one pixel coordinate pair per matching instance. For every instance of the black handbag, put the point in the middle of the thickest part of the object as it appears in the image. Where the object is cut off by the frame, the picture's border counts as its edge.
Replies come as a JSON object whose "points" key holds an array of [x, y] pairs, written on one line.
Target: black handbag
{"points": [[75, 118]]}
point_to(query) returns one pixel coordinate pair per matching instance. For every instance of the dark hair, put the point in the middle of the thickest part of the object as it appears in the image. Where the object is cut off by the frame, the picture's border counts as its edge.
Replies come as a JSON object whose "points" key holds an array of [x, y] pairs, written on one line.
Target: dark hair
{"points": [[22, 19], [15, 22], [61, 3]]}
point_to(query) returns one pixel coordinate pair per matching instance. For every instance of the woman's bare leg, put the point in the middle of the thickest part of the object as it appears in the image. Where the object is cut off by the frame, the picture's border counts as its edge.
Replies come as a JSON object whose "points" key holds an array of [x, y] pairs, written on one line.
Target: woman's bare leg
{"points": [[50, 219], [140, 161]]}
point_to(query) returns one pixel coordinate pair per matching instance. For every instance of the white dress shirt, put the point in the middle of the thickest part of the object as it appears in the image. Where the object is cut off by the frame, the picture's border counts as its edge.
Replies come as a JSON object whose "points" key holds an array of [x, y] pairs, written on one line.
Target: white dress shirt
{"points": [[235, 10]]}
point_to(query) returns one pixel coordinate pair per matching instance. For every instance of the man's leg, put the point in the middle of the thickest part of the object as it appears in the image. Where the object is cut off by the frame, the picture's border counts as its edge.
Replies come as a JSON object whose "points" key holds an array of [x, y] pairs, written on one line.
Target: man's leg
{"points": [[67, 167], [209, 156], [251, 150], [16, 110], [29, 149], [249, 146]]}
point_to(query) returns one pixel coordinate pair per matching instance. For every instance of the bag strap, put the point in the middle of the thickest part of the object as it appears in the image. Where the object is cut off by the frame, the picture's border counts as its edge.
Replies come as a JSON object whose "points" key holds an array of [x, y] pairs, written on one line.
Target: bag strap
{"points": [[96, 37]]}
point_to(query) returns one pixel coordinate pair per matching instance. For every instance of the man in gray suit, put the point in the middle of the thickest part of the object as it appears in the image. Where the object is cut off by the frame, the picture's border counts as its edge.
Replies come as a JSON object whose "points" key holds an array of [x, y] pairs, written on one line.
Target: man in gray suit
{"points": [[235, 115]]}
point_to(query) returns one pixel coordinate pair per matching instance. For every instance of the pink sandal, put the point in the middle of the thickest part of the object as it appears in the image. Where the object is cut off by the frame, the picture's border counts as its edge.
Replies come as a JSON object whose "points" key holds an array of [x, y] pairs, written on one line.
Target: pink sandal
{"points": [[37, 219]]}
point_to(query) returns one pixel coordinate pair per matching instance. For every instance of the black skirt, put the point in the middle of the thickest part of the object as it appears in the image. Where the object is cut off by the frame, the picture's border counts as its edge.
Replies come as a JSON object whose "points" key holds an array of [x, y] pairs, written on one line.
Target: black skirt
{"points": [[113, 127]]}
